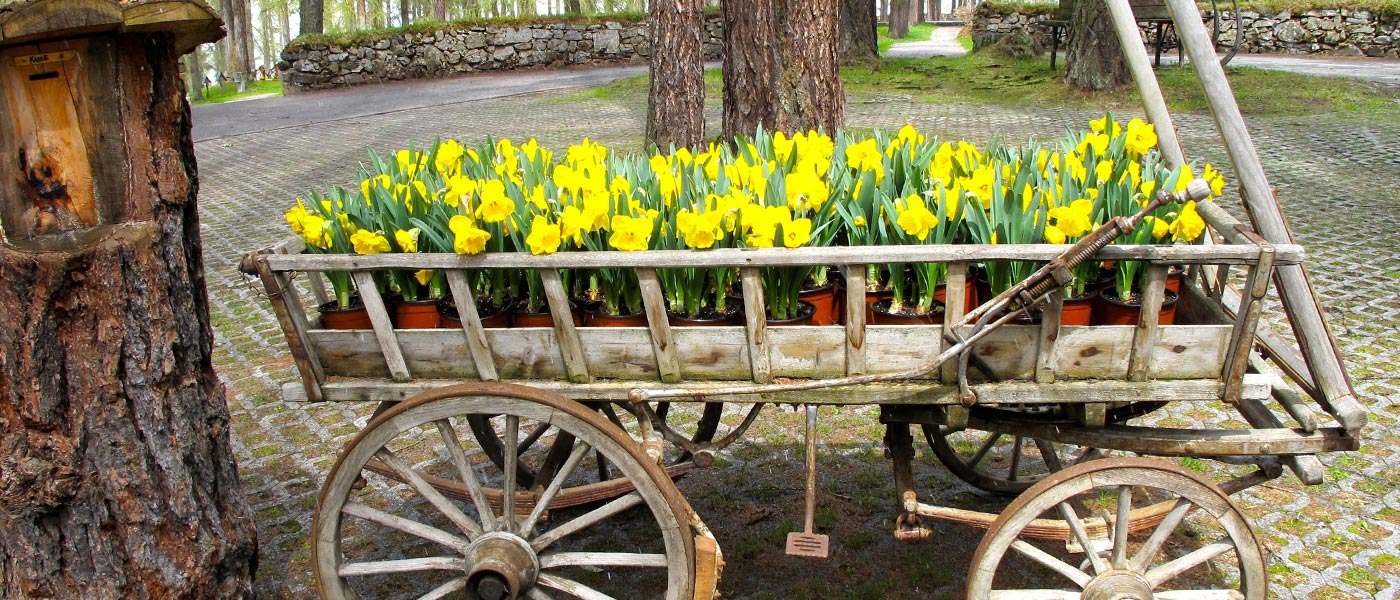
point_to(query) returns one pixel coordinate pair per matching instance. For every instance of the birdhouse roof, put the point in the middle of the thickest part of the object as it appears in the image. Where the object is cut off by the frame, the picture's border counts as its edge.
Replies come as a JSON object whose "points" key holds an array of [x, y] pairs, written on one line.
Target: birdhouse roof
{"points": [[192, 22]]}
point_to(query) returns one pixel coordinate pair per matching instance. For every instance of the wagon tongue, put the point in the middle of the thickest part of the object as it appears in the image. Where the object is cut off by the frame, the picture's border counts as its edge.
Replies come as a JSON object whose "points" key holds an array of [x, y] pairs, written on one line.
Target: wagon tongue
{"points": [[808, 543]]}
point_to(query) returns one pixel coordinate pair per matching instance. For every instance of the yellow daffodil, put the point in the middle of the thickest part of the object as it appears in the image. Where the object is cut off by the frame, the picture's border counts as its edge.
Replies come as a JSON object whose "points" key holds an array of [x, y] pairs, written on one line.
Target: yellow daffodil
{"points": [[408, 240], [1100, 125], [424, 276], [467, 238], [866, 156], [1214, 178], [410, 162], [380, 181], [545, 237], [495, 204], [915, 218], [782, 146], [797, 232], [448, 159], [1141, 138], [459, 188], [630, 233], [806, 190], [1184, 180], [1188, 224], [369, 242]]}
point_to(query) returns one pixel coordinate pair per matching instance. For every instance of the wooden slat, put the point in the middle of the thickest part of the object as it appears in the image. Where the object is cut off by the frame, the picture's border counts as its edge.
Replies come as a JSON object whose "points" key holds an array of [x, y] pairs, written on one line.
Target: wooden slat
{"points": [[777, 257], [855, 319], [953, 311], [1145, 334], [918, 393], [722, 353], [570, 347], [477, 344], [292, 317], [661, 343], [1049, 337], [384, 335], [1247, 321], [756, 324]]}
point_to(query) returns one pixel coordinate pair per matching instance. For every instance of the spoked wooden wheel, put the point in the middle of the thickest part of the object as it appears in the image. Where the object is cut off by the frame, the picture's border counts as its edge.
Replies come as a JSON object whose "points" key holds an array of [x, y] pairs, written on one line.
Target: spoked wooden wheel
{"points": [[1201, 549], [401, 537]]}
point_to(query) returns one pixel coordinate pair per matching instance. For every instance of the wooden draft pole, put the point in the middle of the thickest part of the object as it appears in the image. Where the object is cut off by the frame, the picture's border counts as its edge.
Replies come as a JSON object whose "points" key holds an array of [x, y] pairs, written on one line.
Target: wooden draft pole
{"points": [[1319, 348], [117, 474]]}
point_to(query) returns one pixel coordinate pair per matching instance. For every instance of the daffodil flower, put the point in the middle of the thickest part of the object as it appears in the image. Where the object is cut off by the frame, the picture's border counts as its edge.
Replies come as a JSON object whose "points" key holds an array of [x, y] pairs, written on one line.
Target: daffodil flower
{"points": [[467, 238]]}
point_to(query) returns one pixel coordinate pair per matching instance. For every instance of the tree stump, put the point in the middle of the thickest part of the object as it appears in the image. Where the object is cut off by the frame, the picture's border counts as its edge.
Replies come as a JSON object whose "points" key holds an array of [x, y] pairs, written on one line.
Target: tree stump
{"points": [[117, 476]]}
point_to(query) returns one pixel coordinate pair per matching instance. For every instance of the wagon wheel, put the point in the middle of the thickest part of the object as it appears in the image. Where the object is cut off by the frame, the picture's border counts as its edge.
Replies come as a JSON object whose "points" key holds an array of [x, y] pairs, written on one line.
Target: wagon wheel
{"points": [[411, 540], [555, 446], [1170, 562], [1008, 464]]}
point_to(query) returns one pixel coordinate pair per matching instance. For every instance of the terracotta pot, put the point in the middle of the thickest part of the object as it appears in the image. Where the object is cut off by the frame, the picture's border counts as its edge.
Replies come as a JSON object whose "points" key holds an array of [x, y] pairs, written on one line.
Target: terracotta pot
{"points": [[970, 295], [353, 317], [495, 317], [883, 316], [805, 310], [520, 318], [593, 318], [735, 317], [1110, 310], [873, 296], [1174, 280], [824, 300], [417, 314], [1077, 311]]}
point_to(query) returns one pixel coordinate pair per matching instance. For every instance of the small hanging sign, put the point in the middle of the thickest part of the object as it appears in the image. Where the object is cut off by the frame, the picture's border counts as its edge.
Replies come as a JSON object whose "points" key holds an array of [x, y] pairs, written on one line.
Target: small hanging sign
{"points": [[45, 58]]}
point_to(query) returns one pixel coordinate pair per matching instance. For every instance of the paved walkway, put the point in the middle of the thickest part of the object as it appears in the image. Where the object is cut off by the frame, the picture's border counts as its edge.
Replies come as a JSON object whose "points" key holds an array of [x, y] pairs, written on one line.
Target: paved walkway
{"points": [[1336, 179], [943, 42]]}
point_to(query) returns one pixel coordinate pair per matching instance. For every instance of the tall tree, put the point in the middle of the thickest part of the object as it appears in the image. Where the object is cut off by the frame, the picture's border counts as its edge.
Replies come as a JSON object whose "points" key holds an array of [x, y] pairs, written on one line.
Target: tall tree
{"points": [[899, 19], [194, 75], [676, 102], [1093, 55], [781, 66], [858, 37], [313, 16]]}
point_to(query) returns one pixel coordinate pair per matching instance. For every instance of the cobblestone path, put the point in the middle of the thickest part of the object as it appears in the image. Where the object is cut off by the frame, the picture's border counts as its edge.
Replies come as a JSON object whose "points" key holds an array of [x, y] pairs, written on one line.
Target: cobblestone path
{"points": [[1336, 177]]}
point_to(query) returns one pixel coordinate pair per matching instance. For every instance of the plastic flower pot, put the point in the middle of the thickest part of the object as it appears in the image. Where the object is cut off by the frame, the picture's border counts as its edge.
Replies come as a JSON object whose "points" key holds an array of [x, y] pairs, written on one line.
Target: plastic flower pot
{"points": [[521, 318], [884, 316], [492, 317], [709, 318], [823, 300], [805, 310], [593, 318], [970, 295], [1077, 311], [417, 314], [1112, 310], [352, 317]]}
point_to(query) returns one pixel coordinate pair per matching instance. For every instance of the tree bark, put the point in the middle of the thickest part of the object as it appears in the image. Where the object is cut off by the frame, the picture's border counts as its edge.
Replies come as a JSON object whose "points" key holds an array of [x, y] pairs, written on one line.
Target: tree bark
{"points": [[194, 75], [1093, 55], [676, 102], [781, 66], [313, 17], [899, 19], [858, 36], [117, 477]]}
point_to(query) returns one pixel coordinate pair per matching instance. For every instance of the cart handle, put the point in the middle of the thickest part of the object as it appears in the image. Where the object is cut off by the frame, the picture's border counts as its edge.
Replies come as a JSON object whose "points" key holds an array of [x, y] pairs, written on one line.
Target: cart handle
{"points": [[1029, 293]]}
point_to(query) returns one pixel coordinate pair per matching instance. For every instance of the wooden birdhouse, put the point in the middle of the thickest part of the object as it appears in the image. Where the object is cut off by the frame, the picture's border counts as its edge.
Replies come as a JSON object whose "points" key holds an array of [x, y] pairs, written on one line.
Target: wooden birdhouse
{"points": [[71, 153]]}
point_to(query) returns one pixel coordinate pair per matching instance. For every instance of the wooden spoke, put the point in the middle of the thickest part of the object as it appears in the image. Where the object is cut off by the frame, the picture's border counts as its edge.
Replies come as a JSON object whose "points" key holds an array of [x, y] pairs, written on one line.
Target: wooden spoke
{"points": [[1147, 554], [1076, 526], [601, 559], [465, 471], [407, 565], [534, 436], [538, 593], [1015, 458], [982, 451], [1167, 571], [429, 493], [427, 532], [542, 503], [586, 520], [1049, 454], [1120, 527], [511, 460], [454, 585], [1080, 578], [603, 473], [578, 590]]}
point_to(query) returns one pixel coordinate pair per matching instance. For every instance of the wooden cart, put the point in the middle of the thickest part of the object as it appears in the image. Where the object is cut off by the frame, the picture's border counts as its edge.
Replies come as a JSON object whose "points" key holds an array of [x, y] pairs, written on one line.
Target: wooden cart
{"points": [[601, 420]]}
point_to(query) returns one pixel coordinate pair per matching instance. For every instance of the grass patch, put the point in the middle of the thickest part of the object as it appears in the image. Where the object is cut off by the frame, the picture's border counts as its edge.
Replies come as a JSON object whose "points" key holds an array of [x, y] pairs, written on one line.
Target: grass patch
{"points": [[917, 33], [229, 91], [982, 79]]}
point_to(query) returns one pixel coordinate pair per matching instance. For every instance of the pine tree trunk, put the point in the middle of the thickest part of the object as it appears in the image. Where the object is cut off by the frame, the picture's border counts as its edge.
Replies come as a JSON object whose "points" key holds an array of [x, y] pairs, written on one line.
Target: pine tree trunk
{"points": [[194, 75], [781, 68], [858, 36], [117, 476], [1093, 56], [312, 14], [676, 102], [899, 19]]}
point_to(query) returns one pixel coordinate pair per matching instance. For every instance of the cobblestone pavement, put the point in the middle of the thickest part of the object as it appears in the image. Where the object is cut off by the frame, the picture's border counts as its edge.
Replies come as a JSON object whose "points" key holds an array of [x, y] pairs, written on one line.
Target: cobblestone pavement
{"points": [[1336, 176]]}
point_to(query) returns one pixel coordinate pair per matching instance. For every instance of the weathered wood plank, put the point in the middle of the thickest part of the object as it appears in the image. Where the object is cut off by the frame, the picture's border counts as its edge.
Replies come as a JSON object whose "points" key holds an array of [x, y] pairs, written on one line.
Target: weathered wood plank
{"points": [[778, 257], [855, 319], [292, 318], [1247, 321], [953, 310], [756, 324], [385, 338], [1049, 337], [1145, 334], [1016, 392], [477, 345], [662, 346], [570, 347]]}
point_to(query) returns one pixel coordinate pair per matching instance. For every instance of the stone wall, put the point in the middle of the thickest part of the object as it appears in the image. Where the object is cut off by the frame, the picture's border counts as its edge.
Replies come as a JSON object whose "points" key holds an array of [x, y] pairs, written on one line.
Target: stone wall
{"points": [[466, 49], [1317, 31]]}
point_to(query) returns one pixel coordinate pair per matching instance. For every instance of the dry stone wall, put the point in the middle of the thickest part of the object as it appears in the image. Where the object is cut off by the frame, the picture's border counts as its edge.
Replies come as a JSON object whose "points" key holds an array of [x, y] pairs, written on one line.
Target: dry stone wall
{"points": [[1318, 31], [467, 49]]}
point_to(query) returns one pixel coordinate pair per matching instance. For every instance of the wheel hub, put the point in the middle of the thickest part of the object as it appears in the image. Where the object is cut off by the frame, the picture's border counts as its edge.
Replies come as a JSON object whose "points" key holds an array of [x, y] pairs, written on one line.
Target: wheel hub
{"points": [[500, 566], [1118, 585]]}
